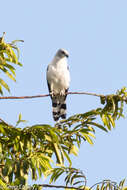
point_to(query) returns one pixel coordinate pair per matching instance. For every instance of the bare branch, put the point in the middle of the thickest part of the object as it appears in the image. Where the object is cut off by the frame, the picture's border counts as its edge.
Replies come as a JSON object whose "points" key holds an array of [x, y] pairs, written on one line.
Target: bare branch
{"points": [[24, 97], [46, 95], [123, 98], [87, 93], [60, 186]]}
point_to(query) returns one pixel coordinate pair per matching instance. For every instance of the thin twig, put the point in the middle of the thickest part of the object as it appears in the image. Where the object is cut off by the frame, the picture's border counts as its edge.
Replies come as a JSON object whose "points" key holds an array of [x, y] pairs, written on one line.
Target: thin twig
{"points": [[24, 97], [60, 186], [87, 93], [46, 95]]}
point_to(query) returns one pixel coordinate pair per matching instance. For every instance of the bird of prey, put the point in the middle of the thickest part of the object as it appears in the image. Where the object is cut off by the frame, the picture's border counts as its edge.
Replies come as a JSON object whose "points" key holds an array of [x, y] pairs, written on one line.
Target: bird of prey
{"points": [[58, 80]]}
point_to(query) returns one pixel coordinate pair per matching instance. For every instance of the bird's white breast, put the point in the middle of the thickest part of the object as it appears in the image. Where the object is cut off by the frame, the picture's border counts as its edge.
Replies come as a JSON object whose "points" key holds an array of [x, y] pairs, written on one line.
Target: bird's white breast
{"points": [[58, 76]]}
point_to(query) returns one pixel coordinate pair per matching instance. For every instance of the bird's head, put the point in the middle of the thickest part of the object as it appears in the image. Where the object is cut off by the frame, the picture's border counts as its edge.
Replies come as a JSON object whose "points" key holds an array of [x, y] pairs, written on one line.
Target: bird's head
{"points": [[62, 53]]}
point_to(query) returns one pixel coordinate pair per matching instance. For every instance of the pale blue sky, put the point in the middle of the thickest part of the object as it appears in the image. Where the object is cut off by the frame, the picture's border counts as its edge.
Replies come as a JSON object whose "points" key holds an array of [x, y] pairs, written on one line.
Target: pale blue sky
{"points": [[95, 34]]}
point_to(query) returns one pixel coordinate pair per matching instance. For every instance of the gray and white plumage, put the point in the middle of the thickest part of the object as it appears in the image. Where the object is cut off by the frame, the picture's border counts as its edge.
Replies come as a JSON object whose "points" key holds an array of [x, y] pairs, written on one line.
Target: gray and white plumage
{"points": [[58, 80]]}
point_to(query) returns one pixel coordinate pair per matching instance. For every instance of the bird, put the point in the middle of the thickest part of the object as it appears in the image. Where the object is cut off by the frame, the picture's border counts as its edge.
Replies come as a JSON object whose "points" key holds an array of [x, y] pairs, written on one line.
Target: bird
{"points": [[58, 81]]}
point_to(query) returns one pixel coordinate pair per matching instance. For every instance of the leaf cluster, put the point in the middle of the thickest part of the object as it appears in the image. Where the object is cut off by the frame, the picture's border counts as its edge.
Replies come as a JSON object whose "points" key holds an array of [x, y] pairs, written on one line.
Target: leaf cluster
{"points": [[109, 185], [31, 149], [8, 60], [73, 176]]}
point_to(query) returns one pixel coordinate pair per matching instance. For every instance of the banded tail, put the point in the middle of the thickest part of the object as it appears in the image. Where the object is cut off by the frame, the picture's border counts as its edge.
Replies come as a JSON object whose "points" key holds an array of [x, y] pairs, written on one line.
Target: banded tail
{"points": [[59, 107]]}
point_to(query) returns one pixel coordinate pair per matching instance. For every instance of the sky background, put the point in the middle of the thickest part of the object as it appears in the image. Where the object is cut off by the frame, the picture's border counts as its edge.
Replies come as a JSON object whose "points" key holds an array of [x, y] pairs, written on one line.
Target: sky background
{"points": [[95, 34]]}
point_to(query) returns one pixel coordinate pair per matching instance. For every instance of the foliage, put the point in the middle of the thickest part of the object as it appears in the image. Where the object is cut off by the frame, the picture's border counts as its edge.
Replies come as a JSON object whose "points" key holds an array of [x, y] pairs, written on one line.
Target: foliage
{"points": [[32, 148], [45, 151], [8, 59], [71, 178], [109, 185]]}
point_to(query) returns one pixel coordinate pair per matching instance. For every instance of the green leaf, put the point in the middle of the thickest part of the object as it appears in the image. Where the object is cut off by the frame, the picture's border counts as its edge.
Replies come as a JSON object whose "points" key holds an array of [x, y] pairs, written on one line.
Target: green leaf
{"points": [[111, 120], [73, 150], [56, 172], [121, 183], [2, 184], [1, 91], [20, 120], [20, 64], [68, 158], [88, 138], [8, 74], [4, 84], [57, 153], [124, 188], [20, 117], [10, 67], [99, 126], [106, 121], [11, 54]]}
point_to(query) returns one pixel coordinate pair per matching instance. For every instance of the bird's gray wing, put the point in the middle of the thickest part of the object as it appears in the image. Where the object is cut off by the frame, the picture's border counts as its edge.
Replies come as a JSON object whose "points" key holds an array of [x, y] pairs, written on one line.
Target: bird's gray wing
{"points": [[49, 88]]}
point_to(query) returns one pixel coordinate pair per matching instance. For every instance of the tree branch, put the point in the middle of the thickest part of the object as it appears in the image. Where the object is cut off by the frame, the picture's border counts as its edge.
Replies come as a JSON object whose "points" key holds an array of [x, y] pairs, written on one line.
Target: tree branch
{"points": [[112, 184], [24, 97], [59, 186], [87, 93], [46, 95]]}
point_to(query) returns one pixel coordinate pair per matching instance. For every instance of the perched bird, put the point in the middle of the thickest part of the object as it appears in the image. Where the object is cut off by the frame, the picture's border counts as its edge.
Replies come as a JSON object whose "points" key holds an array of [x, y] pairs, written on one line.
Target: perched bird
{"points": [[58, 80]]}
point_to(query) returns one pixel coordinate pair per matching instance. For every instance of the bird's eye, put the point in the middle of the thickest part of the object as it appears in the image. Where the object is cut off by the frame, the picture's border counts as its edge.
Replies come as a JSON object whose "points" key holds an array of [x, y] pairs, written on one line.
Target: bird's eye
{"points": [[62, 52]]}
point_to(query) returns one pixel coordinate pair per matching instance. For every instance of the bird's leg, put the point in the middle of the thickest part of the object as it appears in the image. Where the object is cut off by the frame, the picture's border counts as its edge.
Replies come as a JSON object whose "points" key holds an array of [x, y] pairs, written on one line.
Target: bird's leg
{"points": [[62, 93], [52, 94]]}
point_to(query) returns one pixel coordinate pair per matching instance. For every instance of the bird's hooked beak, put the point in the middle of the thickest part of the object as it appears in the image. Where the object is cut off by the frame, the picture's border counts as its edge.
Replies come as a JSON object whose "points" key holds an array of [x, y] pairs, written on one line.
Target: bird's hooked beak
{"points": [[66, 53]]}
